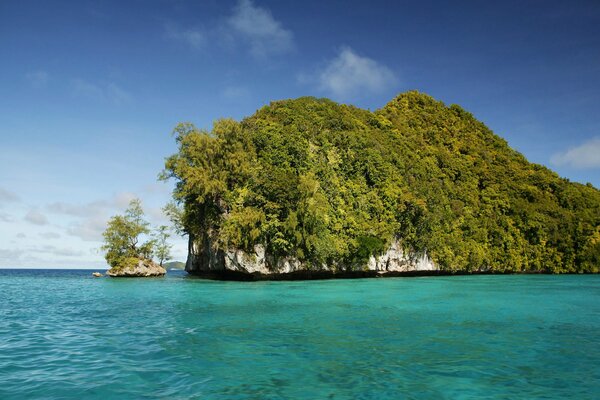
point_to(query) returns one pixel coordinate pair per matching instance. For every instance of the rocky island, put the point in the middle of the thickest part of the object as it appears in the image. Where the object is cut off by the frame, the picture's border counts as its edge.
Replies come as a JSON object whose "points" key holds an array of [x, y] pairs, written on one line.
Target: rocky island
{"points": [[137, 268], [126, 253], [309, 188]]}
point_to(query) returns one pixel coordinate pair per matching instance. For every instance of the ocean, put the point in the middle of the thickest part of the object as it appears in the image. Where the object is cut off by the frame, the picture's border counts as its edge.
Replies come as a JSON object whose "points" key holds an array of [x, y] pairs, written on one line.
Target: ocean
{"points": [[67, 335]]}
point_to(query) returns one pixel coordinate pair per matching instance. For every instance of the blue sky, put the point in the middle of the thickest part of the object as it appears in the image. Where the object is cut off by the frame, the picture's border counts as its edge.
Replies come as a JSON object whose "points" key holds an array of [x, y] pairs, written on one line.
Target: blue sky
{"points": [[90, 91]]}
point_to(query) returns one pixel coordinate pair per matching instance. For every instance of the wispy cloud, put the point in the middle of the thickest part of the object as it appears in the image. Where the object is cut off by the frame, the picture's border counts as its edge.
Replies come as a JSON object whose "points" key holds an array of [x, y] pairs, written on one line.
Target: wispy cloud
{"points": [[82, 88], [350, 74], [234, 93], [117, 95], [37, 79], [49, 235], [7, 196], [247, 25], [89, 229], [78, 210], [56, 251], [195, 38], [63, 234], [91, 218], [37, 255], [156, 188], [121, 200], [35, 217], [584, 156], [110, 92], [4, 217], [11, 256], [257, 26]]}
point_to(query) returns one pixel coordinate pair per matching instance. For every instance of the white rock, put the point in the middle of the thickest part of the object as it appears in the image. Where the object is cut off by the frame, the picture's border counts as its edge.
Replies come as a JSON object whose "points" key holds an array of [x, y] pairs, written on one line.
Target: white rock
{"points": [[208, 259]]}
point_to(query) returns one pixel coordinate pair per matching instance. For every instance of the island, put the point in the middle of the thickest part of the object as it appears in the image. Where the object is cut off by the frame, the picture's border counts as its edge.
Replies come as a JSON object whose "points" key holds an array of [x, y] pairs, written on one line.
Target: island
{"points": [[309, 188], [137, 268], [174, 265], [130, 245]]}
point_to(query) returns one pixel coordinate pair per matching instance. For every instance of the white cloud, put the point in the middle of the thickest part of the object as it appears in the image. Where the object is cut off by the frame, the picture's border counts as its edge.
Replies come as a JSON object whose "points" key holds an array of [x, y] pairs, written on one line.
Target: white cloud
{"points": [[194, 38], [78, 210], [584, 156], [350, 74], [11, 257], [82, 88], [37, 79], [156, 188], [35, 217], [4, 217], [256, 25], [25, 256], [117, 95], [110, 92], [56, 251], [68, 234], [8, 196], [157, 216], [248, 25], [49, 235], [234, 93], [91, 218], [89, 229], [122, 200]]}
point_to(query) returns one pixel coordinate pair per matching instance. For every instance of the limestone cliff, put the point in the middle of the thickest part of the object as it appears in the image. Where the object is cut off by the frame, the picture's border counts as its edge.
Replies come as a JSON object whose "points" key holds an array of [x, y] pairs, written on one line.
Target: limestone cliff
{"points": [[205, 260]]}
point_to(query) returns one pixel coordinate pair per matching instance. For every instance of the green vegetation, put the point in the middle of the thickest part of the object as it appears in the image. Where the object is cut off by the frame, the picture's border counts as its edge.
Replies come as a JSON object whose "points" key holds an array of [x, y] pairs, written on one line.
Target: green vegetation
{"points": [[331, 183], [162, 247], [174, 265], [122, 239]]}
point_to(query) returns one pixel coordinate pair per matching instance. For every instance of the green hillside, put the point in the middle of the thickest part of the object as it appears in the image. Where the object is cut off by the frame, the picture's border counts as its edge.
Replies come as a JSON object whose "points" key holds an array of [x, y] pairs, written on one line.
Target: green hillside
{"points": [[174, 265], [334, 184]]}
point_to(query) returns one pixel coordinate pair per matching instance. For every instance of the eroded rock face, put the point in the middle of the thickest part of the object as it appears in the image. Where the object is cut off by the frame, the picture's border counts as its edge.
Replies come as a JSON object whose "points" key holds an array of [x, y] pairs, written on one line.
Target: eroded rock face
{"points": [[395, 259], [144, 268], [203, 258]]}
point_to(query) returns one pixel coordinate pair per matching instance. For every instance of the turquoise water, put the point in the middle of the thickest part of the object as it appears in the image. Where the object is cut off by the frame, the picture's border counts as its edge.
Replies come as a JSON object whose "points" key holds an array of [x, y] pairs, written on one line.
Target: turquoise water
{"points": [[66, 335]]}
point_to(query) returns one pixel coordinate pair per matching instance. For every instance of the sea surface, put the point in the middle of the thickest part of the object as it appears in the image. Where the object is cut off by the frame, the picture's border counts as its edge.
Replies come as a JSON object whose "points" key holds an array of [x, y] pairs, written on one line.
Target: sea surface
{"points": [[67, 335]]}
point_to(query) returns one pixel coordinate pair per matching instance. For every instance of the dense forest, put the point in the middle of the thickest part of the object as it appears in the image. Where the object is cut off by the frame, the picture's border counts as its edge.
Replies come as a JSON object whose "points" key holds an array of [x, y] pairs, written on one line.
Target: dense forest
{"points": [[334, 184]]}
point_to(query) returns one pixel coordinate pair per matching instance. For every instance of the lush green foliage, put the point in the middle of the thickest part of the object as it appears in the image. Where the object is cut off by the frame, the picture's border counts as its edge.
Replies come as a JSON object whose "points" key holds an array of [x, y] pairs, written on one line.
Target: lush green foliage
{"points": [[162, 247], [174, 265], [122, 237], [331, 183]]}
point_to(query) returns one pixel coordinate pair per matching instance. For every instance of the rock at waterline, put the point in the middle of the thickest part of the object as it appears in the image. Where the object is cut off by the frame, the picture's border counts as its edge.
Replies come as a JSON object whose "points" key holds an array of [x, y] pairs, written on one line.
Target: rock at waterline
{"points": [[97, 274], [141, 268]]}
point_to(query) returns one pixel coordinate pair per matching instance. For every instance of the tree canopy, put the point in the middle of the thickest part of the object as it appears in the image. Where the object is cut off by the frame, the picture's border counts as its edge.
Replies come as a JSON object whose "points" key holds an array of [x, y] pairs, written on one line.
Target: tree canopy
{"points": [[162, 246], [124, 234], [335, 184]]}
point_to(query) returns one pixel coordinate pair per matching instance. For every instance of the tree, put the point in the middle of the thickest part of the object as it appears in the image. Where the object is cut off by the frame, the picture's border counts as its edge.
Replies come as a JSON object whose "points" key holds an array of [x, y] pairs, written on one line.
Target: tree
{"points": [[163, 249], [123, 234], [174, 212]]}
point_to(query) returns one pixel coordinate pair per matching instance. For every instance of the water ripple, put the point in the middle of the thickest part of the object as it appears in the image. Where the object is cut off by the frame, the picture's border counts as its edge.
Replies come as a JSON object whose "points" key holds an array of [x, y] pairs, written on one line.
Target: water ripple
{"points": [[64, 335]]}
